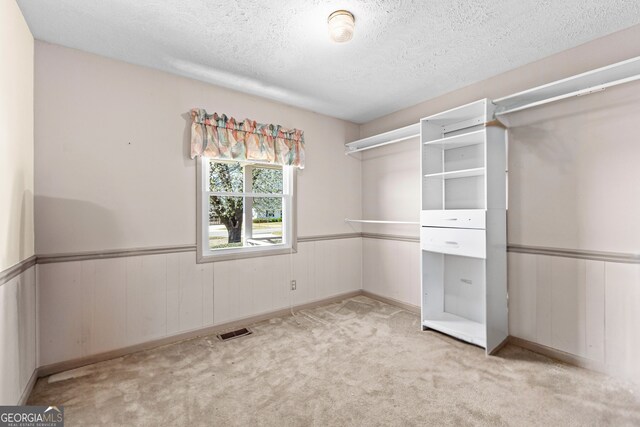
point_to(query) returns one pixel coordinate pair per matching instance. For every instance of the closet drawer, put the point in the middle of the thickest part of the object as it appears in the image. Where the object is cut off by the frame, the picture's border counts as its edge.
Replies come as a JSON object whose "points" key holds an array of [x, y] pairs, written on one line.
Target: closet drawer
{"points": [[459, 218], [454, 241]]}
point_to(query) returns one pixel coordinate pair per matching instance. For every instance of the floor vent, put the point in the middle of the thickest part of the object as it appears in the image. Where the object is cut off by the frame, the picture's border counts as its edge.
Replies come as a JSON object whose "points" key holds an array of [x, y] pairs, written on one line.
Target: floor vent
{"points": [[234, 334]]}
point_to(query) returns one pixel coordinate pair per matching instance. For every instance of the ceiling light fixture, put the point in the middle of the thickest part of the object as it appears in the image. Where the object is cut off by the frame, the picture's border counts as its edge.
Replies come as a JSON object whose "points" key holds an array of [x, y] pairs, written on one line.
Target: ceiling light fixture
{"points": [[341, 26]]}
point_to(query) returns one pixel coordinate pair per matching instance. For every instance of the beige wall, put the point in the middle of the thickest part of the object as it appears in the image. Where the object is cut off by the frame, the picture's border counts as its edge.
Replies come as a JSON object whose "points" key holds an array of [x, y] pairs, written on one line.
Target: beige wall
{"points": [[112, 166], [18, 317], [112, 172], [573, 173], [16, 137], [573, 181], [391, 191]]}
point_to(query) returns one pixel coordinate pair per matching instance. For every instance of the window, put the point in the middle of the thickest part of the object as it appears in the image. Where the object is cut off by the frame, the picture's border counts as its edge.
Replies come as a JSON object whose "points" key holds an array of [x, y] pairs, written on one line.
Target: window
{"points": [[244, 209]]}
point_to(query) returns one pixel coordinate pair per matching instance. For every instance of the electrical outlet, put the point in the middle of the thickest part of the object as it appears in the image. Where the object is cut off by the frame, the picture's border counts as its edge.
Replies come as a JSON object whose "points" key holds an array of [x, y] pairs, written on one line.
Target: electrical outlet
{"points": [[293, 285]]}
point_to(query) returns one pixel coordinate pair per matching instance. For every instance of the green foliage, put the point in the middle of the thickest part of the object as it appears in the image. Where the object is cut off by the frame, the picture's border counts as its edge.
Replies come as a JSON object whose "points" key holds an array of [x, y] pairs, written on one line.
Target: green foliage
{"points": [[267, 180], [264, 220], [227, 177]]}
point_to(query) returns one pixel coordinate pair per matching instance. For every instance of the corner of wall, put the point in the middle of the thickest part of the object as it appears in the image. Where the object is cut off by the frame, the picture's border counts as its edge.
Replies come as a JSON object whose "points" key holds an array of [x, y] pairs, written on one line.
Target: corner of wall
{"points": [[17, 270]]}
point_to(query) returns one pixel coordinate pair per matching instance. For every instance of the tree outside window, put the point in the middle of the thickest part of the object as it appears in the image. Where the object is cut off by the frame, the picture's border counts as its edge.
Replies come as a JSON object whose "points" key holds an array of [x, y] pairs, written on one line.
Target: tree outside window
{"points": [[246, 205]]}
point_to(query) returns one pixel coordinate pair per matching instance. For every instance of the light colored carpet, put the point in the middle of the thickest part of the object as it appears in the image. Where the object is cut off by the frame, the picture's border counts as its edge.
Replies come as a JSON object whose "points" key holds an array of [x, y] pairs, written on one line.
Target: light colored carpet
{"points": [[355, 363]]}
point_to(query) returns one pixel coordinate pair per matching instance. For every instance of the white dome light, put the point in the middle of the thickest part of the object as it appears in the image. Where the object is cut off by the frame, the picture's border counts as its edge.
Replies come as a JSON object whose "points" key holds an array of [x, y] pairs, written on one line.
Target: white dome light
{"points": [[341, 26]]}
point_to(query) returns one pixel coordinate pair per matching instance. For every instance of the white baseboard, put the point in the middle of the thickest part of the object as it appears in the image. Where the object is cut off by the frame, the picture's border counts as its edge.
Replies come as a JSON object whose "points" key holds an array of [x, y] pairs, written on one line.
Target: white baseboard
{"points": [[559, 355], [572, 359], [391, 301], [28, 388]]}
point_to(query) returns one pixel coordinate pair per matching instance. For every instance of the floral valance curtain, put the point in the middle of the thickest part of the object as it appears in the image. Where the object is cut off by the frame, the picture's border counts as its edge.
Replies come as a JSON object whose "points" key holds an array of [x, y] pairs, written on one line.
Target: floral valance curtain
{"points": [[224, 138]]}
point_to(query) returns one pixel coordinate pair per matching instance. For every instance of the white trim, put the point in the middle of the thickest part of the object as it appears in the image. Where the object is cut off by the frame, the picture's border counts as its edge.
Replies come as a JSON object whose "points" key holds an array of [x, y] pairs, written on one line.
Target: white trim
{"points": [[392, 301], [628, 258], [17, 269], [205, 254], [24, 397]]}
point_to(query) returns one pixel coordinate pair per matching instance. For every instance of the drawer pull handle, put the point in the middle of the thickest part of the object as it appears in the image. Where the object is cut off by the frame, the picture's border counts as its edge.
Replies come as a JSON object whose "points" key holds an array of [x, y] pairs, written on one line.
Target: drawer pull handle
{"points": [[451, 219], [451, 243]]}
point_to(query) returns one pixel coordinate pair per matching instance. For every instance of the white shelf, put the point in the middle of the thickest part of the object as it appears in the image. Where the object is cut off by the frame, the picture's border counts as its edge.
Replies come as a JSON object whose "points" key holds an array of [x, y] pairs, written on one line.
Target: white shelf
{"points": [[581, 84], [458, 141], [373, 221], [467, 116], [465, 173], [457, 326], [391, 137], [458, 114]]}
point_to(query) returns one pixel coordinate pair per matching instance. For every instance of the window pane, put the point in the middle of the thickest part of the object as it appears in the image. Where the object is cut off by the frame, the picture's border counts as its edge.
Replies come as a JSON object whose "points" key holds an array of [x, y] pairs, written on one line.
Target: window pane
{"points": [[267, 180], [267, 208], [266, 232], [227, 228], [225, 222], [267, 221], [227, 177]]}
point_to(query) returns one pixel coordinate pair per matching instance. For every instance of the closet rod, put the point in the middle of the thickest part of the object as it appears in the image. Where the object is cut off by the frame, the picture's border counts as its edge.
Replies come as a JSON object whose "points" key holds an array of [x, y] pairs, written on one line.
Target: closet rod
{"points": [[581, 92], [393, 141], [582, 84]]}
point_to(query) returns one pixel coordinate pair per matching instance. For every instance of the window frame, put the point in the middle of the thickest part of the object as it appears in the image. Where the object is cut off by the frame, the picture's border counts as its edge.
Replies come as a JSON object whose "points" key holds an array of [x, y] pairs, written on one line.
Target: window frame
{"points": [[289, 233]]}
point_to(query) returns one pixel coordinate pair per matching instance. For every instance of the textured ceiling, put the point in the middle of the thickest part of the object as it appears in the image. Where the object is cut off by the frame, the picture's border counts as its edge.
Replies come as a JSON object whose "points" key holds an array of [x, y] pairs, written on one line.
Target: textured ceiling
{"points": [[403, 51]]}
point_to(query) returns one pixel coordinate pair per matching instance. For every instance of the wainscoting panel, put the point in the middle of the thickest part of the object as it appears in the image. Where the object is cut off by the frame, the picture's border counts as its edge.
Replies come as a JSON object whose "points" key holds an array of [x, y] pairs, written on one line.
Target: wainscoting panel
{"points": [[147, 298], [595, 306], [622, 319], [568, 305], [18, 335], [93, 306], [104, 283], [64, 305], [586, 308], [338, 267], [189, 293], [391, 268], [253, 286], [523, 301]]}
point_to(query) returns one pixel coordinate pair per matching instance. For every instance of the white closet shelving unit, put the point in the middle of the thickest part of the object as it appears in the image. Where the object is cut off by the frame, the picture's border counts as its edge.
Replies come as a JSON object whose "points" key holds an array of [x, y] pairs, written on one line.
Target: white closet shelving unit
{"points": [[463, 225], [386, 138]]}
